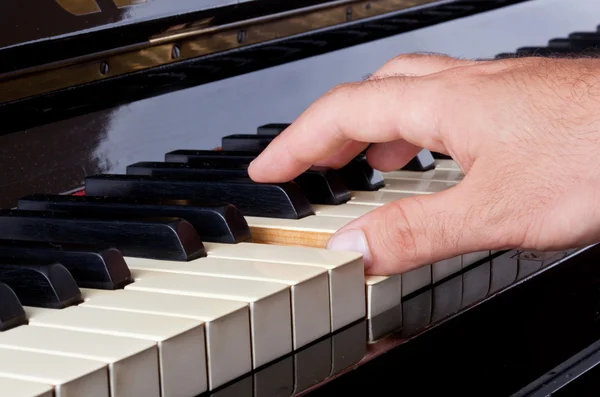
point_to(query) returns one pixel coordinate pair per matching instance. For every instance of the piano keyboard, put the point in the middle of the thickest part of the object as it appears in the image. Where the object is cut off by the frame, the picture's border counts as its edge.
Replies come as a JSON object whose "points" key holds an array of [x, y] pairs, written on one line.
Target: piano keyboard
{"points": [[187, 296]]}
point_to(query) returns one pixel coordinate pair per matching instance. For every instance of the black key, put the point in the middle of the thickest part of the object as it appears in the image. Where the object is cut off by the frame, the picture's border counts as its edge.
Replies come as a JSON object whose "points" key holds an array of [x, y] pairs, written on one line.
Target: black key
{"points": [[283, 200], [12, 313], [440, 156], [211, 158], [320, 185], [155, 238], [40, 284], [356, 175], [543, 52], [423, 161], [359, 175], [593, 36], [246, 142], [90, 267], [214, 221], [272, 128]]}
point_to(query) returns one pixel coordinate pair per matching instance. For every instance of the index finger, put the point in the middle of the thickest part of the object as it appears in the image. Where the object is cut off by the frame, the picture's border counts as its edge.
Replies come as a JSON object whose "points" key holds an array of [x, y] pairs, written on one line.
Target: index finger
{"points": [[379, 110]]}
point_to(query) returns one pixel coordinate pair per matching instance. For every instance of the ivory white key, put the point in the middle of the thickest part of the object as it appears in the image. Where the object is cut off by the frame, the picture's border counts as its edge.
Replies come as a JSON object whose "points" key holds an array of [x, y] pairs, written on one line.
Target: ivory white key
{"points": [[447, 165], [128, 359], [469, 259], [342, 210], [311, 231], [270, 305], [69, 376], [416, 279], [309, 287], [377, 198], [182, 353], [25, 388], [383, 293], [431, 175], [446, 268], [227, 324], [346, 272], [415, 186]]}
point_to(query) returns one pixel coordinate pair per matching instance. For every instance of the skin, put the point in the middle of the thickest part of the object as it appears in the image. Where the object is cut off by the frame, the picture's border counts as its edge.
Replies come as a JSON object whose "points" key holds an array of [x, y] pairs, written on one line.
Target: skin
{"points": [[526, 132]]}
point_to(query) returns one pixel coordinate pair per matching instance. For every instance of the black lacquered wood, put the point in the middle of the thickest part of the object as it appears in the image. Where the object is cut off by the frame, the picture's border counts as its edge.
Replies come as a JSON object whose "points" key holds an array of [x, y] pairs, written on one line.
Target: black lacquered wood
{"points": [[214, 221], [283, 200], [12, 313], [156, 238], [101, 268], [320, 185], [40, 283]]}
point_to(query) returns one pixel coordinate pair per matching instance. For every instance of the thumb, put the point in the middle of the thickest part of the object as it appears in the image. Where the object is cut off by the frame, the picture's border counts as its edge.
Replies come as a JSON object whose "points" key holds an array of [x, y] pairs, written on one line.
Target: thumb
{"points": [[419, 230]]}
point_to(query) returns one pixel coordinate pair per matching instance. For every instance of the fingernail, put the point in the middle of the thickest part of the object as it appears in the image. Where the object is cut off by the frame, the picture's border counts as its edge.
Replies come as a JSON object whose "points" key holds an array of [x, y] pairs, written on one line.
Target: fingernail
{"points": [[351, 240]]}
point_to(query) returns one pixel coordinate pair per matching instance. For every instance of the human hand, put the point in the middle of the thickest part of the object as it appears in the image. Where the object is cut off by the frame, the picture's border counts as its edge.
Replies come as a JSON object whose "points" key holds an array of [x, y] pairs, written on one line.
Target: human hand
{"points": [[526, 132]]}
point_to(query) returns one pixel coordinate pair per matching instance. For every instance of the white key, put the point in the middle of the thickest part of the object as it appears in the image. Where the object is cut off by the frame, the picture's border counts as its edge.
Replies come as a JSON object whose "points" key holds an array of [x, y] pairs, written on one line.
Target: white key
{"points": [[227, 324], [312, 231], [447, 165], [310, 223], [416, 279], [182, 353], [342, 210], [383, 293], [128, 359], [431, 175], [25, 388], [469, 259], [377, 198], [270, 305], [309, 287], [346, 272], [415, 186], [70, 376], [446, 268]]}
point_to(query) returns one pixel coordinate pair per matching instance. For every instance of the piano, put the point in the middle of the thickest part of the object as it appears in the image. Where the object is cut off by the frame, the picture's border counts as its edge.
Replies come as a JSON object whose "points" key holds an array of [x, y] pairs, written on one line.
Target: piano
{"points": [[137, 259]]}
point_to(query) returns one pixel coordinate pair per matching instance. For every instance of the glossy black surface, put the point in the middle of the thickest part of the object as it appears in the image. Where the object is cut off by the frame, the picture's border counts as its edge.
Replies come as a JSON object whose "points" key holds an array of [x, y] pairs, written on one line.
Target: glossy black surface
{"points": [[320, 185], [157, 238], [40, 283], [135, 86], [284, 200], [34, 32], [12, 313], [214, 221], [90, 267]]}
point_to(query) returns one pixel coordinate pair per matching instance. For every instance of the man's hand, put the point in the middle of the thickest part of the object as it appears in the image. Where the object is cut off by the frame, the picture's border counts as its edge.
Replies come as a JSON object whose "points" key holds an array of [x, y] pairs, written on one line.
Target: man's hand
{"points": [[526, 132]]}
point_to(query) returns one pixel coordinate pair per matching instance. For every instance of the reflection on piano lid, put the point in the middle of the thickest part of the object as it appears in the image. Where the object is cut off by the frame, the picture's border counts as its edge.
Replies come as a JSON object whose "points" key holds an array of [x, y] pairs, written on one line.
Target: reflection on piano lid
{"points": [[110, 56]]}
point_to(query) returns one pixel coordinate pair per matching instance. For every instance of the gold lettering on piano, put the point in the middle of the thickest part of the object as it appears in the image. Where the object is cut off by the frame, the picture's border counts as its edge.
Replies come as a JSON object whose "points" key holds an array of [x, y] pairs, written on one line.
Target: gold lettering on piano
{"points": [[86, 7], [79, 7]]}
